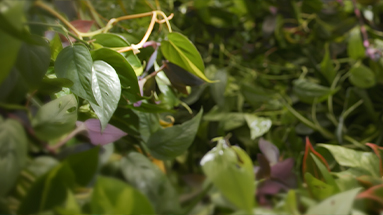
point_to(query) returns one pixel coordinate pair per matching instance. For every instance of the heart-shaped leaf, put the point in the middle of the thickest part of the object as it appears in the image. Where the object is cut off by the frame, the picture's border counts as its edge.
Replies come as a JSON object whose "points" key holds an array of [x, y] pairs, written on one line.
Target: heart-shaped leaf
{"points": [[231, 171], [126, 74], [171, 142], [179, 50], [13, 153], [106, 89], [56, 118], [75, 63]]}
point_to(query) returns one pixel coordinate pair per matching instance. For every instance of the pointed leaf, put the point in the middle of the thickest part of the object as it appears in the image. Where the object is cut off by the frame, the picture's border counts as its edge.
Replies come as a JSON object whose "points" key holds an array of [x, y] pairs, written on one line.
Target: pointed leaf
{"points": [[13, 153], [258, 125], [98, 136], [318, 189], [308, 91], [327, 67], [179, 50], [75, 63], [231, 171], [151, 181], [56, 118], [355, 47], [378, 150], [106, 89], [112, 196], [55, 46], [374, 194], [270, 151], [171, 142], [309, 164]]}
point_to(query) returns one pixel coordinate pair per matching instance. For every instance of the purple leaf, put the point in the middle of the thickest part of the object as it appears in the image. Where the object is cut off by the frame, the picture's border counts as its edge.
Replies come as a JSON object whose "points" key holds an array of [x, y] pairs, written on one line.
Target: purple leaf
{"points": [[270, 151], [264, 167], [283, 171], [109, 135]]}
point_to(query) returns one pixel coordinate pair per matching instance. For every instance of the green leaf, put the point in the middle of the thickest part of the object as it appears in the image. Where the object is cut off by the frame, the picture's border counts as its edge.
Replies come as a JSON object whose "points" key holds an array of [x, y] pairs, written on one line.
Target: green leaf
{"points": [[9, 47], [362, 76], [56, 118], [327, 67], [217, 89], [340, 203], [318, 189], [33, 61], [106, 89], [355, 47], [13, 153], [112, 196], [116, 41], [258, 125], [231, 171], [311, 165], [75, 63], [150, 181], [171, 142], [126, 74], [291, 205], [351, 158], [308, 91], [55, 46], [54, 85], [84, 165], [149, 123], [179, 50], [71, 206], [48, 191]]}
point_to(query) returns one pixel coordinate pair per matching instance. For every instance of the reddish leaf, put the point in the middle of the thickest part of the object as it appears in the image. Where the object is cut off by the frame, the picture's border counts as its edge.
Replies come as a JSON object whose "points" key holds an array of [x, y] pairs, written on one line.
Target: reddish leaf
{"points": [[373, 197], [368, 181], [379, 152], [98, 137], [309, 163], [82, 26]]}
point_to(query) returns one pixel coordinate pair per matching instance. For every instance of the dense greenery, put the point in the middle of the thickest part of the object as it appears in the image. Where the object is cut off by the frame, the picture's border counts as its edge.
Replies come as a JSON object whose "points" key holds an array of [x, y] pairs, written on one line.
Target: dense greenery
{"points": [[191, 107]]}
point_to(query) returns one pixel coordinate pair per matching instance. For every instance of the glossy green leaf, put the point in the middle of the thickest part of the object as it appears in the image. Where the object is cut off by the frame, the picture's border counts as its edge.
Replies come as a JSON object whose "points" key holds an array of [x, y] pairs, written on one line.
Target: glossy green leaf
{"points": [[56, 118], [171, 142], [48, 191], [33, 61], [362, 76], [231, 171], [340, 203], [9, 47], [327, 67], [106, 89], [112, 196], [75, 63], [318, 189], [179, 50], [352, 158], [355, 47], [13, 153], [150, 181], [258, 125], [307, 92], [125, 72]]}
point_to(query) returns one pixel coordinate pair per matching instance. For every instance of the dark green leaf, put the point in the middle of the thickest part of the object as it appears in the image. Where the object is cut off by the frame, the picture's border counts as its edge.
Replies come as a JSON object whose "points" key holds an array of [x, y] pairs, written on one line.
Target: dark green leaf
{"points": [[112, 196], [327, 67], [180, 51], [171, 142], [56, 118], [307, 91], [106, 89], [75, 63], [9, 47], [355, 47], [13, 153], [151, 181], [54, 85]]}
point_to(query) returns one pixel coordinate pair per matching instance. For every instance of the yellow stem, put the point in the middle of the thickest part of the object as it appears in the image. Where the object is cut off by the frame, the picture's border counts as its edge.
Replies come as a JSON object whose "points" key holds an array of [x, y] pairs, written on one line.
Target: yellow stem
{"points": [[57, 15]]}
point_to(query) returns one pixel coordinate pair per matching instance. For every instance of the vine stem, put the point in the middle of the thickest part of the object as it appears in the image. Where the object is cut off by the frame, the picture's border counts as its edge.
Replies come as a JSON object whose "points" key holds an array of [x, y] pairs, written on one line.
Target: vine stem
{"points": [[79, 129], [61, 18]]}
